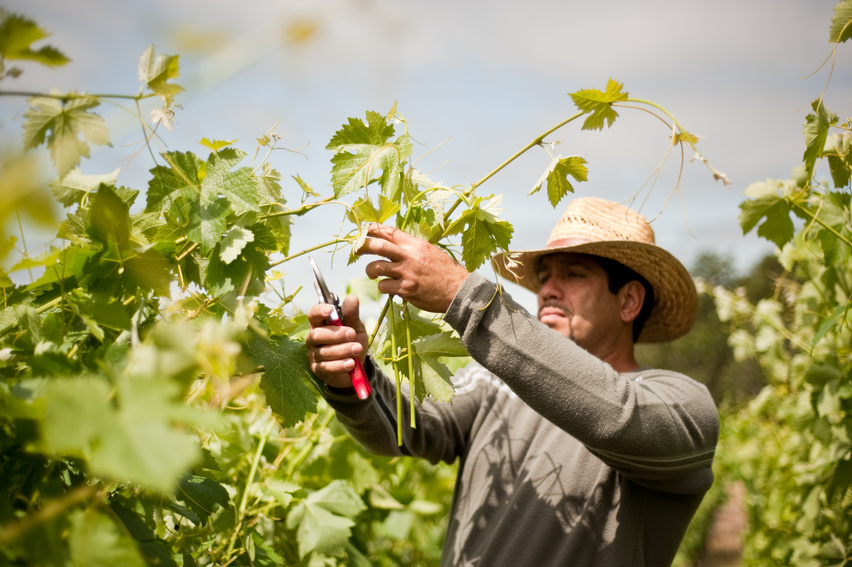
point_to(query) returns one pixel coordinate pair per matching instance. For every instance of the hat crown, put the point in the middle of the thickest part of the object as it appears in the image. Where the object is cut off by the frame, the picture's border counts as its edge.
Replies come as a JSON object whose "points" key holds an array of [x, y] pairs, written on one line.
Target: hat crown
{"points": [[590, 219]]}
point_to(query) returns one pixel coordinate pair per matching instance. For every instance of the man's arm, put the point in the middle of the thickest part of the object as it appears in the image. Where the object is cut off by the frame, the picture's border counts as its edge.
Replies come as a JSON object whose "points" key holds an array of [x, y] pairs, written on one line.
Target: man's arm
{"points": [[652, 429], [660, 430]]}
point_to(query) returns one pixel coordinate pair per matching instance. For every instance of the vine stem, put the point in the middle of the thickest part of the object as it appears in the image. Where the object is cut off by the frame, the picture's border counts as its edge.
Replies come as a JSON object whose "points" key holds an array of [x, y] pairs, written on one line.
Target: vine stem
{"points": [[816, 219], [70, 96], [249, 481], [536, 142], [305, 451], [13, 531], [410, 354], [308, 250], [395, 364]]}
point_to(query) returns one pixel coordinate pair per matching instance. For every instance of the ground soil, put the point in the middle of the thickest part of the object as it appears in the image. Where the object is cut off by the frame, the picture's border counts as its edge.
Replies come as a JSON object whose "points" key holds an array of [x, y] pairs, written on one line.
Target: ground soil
{"points": [[724, 544]]}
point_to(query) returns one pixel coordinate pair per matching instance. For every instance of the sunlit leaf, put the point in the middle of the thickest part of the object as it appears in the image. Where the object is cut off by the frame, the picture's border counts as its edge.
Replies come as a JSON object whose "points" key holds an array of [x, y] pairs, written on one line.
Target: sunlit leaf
{"points": [[841, 22], [557, 174], [432, 375], [66, 127], [816, 133], [75, 186], [769, 210], [364, 210], [17, 34], [323, 520], [233, 243], [155, 72], [598, 104], [96, 541], [285, 365], [484, 234], [362, 150], [216, 145]]}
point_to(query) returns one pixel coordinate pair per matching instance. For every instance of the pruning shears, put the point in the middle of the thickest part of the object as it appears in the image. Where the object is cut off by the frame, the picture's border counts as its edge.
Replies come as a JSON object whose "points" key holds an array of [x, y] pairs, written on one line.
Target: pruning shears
{"points": [[358, 376]]}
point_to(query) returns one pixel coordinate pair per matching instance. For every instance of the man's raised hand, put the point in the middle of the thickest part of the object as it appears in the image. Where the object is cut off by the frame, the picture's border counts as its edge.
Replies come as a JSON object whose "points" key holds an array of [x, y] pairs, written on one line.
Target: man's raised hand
{"points": [[416, 271]]}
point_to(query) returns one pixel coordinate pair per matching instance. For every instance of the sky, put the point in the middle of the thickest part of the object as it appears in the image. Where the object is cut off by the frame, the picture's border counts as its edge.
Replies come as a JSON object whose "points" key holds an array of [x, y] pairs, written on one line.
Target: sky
{"points": [[476, 81]]}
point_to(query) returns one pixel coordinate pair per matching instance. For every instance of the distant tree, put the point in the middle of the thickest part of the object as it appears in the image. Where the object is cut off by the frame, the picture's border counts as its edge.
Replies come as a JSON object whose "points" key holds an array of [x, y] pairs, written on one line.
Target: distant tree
{"points": [[704, 353]]}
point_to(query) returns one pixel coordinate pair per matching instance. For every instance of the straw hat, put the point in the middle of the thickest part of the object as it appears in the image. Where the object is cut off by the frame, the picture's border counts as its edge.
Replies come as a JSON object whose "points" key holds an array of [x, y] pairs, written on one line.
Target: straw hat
{"points": [[603, 228]]}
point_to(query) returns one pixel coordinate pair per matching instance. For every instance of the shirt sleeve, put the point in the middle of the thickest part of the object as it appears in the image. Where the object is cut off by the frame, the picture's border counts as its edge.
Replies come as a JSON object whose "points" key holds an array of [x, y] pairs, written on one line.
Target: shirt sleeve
{"points": [[660, 428]]}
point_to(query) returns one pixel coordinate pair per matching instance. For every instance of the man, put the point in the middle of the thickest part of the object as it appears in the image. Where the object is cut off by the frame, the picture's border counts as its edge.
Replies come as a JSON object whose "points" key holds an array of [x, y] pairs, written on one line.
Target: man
{"points": [[570, 452]]}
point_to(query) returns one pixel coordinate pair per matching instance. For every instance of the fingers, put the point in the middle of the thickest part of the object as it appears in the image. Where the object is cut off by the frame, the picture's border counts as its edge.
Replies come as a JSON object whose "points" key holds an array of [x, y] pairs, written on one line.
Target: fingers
{"points": [[332, 349], [412, 269]]}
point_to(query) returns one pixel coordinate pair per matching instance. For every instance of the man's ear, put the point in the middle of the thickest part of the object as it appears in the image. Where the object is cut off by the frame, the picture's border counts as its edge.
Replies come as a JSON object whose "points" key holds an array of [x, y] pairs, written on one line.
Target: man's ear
{"points": [[632, 296]]}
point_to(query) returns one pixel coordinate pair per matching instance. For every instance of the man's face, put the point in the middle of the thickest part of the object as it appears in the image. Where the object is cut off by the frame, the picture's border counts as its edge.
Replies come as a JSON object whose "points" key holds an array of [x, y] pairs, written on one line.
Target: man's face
{"points": [[575, 300]]}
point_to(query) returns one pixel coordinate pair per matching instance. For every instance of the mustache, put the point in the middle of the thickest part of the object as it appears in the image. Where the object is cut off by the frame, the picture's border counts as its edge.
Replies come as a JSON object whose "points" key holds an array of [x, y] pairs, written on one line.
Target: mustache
{"points": [[553, 304]]}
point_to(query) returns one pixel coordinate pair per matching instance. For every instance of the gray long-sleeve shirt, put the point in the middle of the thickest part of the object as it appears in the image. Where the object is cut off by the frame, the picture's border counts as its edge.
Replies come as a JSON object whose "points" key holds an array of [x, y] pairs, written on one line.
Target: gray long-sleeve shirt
{"points": [[563, 461]]}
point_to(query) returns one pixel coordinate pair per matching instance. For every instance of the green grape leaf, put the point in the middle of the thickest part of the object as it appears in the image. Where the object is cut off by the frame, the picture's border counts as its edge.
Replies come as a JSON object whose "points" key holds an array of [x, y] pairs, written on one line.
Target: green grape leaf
{"points": [[306, 188], [202, 495], [363, 210], [75, 186], [323, 520], [233, 243], [356, 134], [216, 145], [95, 540], [272, 209], [816, 134], [361, 150], [59, 124], [769, 210], [598, 104], [429, 343], [433, 377], [317, 528], [484, 234], [423, 223], [17, 34], [250, 266], [239, 186], [138, 440], [101, 310], [557, 174], [155, 549], [110, 219], [200, 196], [149, 269], [285, 364], [418, 325], [839, 152], [281, 490], [179, 181], [338, 497], [155, 72], [841, 22]]}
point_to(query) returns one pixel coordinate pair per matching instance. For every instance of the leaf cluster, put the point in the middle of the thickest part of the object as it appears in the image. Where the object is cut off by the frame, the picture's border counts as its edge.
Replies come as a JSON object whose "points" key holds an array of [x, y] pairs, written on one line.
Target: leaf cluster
{"points": [[792, 444]]}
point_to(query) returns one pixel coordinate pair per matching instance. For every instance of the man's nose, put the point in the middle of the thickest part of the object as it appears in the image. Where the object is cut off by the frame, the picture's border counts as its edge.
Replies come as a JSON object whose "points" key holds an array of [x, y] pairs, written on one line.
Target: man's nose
{"points": [[549, 290]]}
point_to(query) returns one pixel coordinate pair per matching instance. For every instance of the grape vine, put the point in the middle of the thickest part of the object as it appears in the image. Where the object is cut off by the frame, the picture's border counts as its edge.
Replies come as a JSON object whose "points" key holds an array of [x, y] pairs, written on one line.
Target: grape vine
{"points": [[155, 406]]}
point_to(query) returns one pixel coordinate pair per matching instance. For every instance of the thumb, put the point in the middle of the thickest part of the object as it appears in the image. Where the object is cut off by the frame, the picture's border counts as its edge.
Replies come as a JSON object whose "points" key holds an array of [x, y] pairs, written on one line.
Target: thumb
{"points": [[351, 318], [351, 309]]}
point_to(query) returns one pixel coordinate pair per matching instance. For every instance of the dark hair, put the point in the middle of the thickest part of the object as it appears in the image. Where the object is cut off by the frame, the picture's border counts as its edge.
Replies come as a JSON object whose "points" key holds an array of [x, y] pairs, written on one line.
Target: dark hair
{"points": [[618, 275]]}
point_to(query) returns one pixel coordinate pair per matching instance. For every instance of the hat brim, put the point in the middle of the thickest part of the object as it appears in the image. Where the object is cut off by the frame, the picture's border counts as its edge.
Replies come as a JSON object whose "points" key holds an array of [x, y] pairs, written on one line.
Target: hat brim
{"points": [[675, 298]]}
